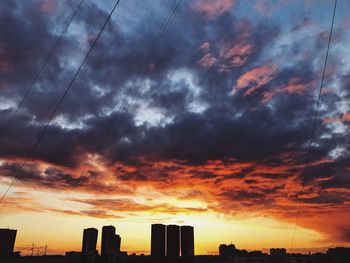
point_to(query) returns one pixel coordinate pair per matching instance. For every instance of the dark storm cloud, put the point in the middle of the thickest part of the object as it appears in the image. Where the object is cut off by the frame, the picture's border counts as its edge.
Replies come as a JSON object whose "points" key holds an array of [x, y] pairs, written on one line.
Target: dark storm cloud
{"points": [[173, 102], [22, 54], [231, 125], [327, 198], [53, 178], [65, 146], [84, 100], [215, 134], [29, 174], [336, 182], [28, 47], [32, 173]]}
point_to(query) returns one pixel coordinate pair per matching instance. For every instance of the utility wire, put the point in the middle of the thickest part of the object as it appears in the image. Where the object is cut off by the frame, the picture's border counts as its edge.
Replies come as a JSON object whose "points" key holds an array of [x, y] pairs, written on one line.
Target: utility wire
{"points": [[163, 32], [35, 145], [149, 57], [37, 76], [307, 162]]}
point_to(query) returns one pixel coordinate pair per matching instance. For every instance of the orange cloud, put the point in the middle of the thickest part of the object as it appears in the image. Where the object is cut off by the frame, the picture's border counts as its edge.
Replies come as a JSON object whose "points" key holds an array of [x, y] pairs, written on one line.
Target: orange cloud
{"points": [[205, 46], [207, 61], [229, 187], [236, 54], [96, 213], [346, 117], [20, 202], [328, 119], [230, 53], [293, 86], [212, 8], [128, 205], [317, 217], [255, 78]]}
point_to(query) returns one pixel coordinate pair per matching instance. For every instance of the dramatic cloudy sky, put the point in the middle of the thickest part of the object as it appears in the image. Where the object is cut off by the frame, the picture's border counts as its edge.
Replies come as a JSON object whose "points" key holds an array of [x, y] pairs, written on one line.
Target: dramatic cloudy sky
{"points": [[216, 135]]}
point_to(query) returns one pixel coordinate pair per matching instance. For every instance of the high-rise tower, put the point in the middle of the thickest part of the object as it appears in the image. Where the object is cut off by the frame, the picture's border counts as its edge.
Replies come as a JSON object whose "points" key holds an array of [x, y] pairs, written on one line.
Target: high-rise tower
{"points": [[88, 251], [158, 242], [108, 243], [7, 242], [173, 242], [187, 242], [117, 243], [89, 240]]}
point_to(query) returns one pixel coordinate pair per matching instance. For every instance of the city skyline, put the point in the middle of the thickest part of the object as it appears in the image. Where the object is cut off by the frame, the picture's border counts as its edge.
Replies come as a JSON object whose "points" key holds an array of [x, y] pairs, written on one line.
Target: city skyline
{"points": [[167, 241], [92, 239], [230, 116]]}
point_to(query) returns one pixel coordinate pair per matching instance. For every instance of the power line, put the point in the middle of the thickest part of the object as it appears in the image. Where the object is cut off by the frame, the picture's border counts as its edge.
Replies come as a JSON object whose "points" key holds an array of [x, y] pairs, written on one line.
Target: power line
{"points": [[151, 55], [307, 163], [165, 29], [36, 78], [35, 145]]}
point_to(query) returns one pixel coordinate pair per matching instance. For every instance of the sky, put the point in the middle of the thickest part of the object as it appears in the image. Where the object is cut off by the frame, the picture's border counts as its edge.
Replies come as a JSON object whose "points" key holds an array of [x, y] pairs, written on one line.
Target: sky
{"points": [[216, 134]]}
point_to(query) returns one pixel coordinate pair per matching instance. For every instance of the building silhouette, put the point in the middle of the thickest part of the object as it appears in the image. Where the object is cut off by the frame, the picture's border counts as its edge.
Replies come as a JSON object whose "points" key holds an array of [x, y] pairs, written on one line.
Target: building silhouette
{"points": [[168, 242], [187, 244], [278, 252], [7, 242], [187, 241], [158, 239], [172, 242], [73, 257], [110, 245], [88, 251], [108, 240], [339, 254], [118, 241], [227, 252]]}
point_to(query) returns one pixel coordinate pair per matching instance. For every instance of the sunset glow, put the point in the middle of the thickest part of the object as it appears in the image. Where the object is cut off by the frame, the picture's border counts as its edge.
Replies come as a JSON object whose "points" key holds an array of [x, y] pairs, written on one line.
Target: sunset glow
{"points": [[215, 137]]}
